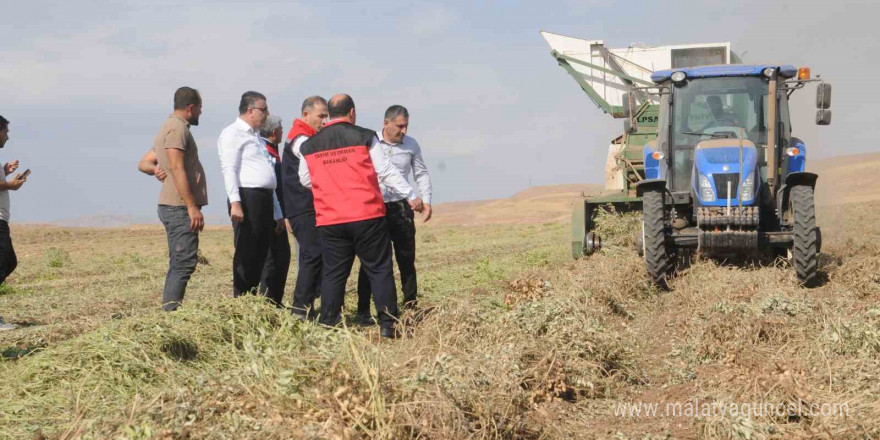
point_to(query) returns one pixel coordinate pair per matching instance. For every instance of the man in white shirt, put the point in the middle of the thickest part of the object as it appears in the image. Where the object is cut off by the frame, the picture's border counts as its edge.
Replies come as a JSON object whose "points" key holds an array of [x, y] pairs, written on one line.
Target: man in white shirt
{"points": [[8, 260], [406, 155], [249, 178], [344, 166]]}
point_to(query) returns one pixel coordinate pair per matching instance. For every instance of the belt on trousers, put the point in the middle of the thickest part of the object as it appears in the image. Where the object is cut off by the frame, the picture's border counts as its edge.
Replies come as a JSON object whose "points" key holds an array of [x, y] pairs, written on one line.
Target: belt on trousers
{"points": [[400, 205], [262, 190]]}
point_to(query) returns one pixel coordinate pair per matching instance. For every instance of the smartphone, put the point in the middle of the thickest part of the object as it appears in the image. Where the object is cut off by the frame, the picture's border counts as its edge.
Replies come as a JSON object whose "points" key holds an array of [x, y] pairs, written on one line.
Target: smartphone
{"points": [[25, 173]]}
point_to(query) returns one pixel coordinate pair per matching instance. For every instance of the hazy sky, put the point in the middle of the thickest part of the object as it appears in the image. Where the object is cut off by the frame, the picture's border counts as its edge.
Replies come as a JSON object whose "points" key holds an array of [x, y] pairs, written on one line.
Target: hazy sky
{"points": [[86, 88]]}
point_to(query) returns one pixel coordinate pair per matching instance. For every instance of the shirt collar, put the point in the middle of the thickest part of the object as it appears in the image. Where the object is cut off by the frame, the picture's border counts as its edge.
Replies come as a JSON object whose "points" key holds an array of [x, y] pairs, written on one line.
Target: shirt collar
{"points": [[244, 126], [179, 119], [267, 141], [337, 121], [380, 134]]}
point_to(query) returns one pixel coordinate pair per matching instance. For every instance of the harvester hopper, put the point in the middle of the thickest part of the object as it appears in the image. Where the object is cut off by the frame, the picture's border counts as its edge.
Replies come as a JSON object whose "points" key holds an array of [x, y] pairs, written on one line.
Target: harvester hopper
{"points": [[608, 76]]}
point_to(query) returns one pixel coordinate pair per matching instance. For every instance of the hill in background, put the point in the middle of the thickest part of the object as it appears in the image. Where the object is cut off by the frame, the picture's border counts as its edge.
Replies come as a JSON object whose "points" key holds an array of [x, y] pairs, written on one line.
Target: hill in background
{"points": [[842, 180]]}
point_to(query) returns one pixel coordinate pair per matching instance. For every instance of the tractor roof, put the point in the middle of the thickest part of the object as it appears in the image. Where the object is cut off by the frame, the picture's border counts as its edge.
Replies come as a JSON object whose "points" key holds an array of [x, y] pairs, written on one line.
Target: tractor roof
{"points": [[786, 71]]}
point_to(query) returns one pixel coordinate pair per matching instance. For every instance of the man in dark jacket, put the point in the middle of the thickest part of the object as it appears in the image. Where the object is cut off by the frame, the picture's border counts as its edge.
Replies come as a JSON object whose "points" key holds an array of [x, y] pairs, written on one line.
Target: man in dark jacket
{"points": [[344, 165], [299, 206], [278, 260]]}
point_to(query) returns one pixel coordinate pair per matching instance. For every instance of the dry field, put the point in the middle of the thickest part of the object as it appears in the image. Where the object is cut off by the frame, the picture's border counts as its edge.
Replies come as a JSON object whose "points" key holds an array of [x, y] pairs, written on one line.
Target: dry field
{"points": [[523, 343]]}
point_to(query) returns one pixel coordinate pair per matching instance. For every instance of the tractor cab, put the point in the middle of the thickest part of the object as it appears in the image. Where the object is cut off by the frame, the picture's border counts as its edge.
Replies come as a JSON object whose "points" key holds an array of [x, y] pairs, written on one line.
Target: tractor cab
{"points": [[714, 128], [725, 175]]}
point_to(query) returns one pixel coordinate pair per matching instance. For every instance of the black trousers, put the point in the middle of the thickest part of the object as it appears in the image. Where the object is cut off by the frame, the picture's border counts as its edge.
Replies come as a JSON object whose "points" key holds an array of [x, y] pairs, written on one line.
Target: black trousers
{"points": [[252, 238], [368, 240], [275, 269], [8, 260], [310, 262], [402, 230]]}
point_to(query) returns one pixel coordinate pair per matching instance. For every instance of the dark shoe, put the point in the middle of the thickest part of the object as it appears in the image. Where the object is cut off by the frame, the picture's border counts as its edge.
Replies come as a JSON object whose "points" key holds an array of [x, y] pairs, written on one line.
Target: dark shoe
{"points": [[388, 333], [366, 320], [332, 322]]}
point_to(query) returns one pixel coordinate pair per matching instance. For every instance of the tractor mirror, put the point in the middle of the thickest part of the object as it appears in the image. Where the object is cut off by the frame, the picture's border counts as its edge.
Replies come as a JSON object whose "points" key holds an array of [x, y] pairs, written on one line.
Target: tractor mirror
{"points": [[627, 105], [823, 117], [823, 96]]}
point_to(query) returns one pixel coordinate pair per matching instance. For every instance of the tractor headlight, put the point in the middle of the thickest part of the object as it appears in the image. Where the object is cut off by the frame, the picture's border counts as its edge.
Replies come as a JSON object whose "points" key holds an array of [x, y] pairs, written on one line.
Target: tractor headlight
{"points": [[678, 76], [768, 72], [706, 192], [748, 188]]}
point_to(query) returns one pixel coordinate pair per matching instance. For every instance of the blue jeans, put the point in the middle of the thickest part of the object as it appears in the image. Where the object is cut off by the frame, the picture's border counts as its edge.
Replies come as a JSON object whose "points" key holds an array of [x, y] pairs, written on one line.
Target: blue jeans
{"points": [[183, 251]]}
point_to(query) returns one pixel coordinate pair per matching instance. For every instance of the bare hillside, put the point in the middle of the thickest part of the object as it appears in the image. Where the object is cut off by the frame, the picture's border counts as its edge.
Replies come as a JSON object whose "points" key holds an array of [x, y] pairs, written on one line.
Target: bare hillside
{"points": [[846, 179], [842, 180], [534, 205]]}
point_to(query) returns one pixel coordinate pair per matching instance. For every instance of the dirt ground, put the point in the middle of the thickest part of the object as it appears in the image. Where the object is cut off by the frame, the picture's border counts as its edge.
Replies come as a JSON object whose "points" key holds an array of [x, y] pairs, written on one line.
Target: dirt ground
{"points": [[522, 341]]}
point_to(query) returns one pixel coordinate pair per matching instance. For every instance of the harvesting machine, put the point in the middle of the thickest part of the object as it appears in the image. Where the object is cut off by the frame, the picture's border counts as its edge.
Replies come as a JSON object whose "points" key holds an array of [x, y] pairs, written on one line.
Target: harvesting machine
{"points": [[707, 155], [605, 74]]}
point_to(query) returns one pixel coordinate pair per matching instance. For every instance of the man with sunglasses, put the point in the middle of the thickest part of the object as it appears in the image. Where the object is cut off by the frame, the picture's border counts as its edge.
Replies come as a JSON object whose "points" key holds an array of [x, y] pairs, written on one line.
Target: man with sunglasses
{"points": [[249, 178]]}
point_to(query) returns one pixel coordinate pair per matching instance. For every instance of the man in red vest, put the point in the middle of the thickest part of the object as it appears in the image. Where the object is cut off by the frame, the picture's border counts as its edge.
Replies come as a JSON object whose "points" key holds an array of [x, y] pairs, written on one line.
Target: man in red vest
{"points": [[344, 165]]}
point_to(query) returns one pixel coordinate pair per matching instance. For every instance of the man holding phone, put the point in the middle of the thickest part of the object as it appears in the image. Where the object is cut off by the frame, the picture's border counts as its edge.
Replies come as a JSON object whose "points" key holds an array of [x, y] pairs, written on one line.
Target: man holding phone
{"points": [[8, 261]]}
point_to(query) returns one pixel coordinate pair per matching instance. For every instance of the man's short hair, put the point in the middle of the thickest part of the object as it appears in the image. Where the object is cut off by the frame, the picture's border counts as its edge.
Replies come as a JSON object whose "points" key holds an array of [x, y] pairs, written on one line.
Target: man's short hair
{"points": [[248, 99], [186, 96], [3, 122], [309, 103], [394, 111], [340, 107], [272, 123]]}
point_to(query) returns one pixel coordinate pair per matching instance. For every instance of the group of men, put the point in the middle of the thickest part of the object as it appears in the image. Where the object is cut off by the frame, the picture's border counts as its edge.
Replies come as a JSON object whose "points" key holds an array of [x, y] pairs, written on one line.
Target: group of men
{"points": [[342, 189]]}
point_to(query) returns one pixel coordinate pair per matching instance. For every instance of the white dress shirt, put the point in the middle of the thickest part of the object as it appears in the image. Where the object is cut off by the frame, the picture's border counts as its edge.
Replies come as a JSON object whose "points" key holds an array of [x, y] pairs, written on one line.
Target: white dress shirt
{"points": [[407, 158], [386, 172], [245, 162]]}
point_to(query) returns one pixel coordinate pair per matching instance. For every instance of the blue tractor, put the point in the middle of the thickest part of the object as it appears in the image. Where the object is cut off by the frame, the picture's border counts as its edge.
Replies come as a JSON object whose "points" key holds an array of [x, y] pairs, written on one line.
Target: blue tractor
{"points": [[725, 176]]}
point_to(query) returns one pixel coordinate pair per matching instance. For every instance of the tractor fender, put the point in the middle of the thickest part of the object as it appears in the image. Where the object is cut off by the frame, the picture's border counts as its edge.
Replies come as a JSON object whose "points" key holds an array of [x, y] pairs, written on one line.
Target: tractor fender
{"points": [[650, 185], [801, 178], [792, 180]]}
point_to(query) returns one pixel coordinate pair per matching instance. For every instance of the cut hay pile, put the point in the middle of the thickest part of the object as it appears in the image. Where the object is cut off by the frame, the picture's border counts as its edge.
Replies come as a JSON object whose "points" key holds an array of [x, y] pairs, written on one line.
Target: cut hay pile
{"points": [[522, 344]]}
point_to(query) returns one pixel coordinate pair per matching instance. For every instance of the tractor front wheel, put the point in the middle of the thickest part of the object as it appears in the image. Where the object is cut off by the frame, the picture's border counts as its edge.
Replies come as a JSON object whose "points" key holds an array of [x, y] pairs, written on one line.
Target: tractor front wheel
{"points": [[805, 251], [658, 258]]}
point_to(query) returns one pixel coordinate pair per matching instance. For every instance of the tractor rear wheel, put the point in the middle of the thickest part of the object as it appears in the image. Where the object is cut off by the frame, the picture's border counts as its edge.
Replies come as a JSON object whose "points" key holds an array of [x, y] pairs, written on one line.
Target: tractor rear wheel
{"points": [[658, 259], [805, 252]]}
